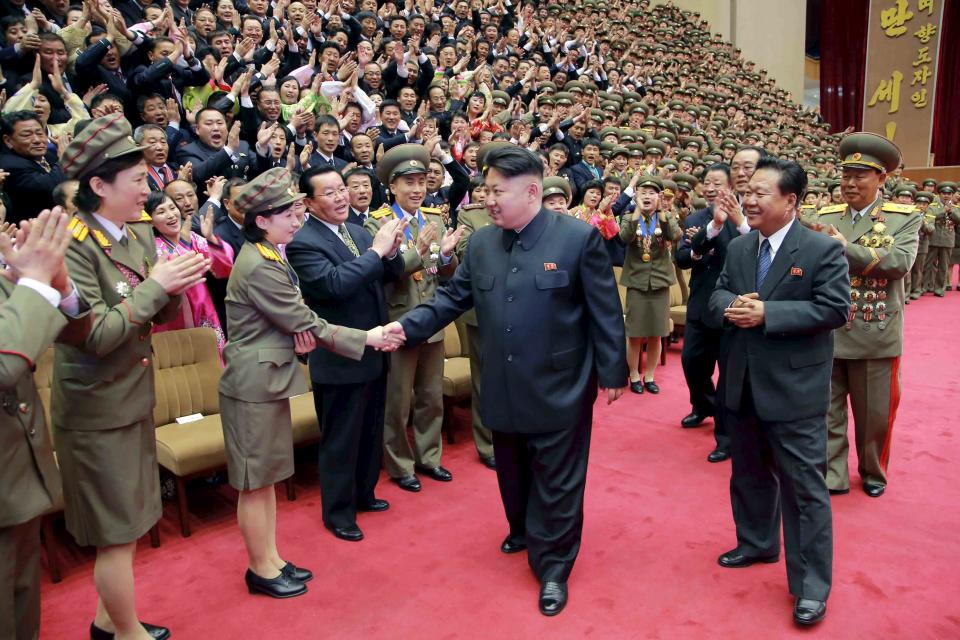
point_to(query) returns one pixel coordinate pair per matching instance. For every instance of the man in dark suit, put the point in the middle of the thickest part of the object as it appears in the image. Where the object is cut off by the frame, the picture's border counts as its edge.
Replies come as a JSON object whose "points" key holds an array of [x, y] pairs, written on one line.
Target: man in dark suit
{"points": [[341, 270], [551, 326], [328, 137], [781, 293], [217, 150], [702, 250], [33, 169]]}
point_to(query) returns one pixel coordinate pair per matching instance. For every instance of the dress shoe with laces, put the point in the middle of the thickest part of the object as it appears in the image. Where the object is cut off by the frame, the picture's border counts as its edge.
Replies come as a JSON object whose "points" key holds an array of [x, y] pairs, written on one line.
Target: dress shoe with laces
{"points": [[437, 473], [553, 598], [873, 490], [408, 483], [718, 455], [512, 545], [374, 505], [489, 463], [280, 587], [693, 419], [155, 632], [809, 612], [735, 559], [350, 534], [297, 573], [636, 386], [651, 387]]}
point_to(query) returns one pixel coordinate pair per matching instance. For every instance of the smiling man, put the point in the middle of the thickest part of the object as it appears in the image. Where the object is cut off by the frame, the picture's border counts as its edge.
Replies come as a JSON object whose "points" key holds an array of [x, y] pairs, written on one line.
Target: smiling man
{"points": [[33, 169], [551, 332], [782, 291]]}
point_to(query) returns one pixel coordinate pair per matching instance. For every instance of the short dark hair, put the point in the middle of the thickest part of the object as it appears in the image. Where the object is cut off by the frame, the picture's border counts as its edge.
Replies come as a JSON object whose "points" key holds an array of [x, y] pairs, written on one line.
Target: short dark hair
{"points": [[88, 201], [142, 100], [793, 179], [12, 118], [59, 194], [752, 147], [327, 120], [592, 184], [356, 171], [103, 97], [590, 142], [515, 161], [306, 178], [251, 231], [389, 103], [722, 167], [154, 200]]}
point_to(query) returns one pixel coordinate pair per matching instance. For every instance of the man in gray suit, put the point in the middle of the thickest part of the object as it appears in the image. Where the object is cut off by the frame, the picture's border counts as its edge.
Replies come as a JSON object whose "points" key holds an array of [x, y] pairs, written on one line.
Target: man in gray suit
{"points": [[782, 291], [551, 331]]}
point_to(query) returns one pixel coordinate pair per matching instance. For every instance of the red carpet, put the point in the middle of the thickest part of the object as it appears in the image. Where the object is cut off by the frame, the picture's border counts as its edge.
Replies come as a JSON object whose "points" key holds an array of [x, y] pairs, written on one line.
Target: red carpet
{"points": [[657, 516]]}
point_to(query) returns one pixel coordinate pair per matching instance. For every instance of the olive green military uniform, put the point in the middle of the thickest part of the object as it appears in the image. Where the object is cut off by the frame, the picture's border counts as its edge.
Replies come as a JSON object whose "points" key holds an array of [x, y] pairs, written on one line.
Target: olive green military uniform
{"points": [[472, 217], [916, 272], [416, 373], [648, 269], [881, 248], [29, 480], [937, 266]]}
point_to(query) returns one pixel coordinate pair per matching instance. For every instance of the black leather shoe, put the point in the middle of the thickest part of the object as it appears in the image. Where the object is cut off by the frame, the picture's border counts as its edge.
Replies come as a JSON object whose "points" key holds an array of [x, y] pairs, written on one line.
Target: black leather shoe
{"points": [[636, 387], [939, 294], [280, 587], [839, 492], [718, 455], [873, 490], [553, 598], [408, 483], [155, 632], [510, 545], [906, 301], [651, 387], [437, 473], [489, 463], [297, 573], [734, 559], [809, 612], [350, 534], [374, 505], [693, 419]]}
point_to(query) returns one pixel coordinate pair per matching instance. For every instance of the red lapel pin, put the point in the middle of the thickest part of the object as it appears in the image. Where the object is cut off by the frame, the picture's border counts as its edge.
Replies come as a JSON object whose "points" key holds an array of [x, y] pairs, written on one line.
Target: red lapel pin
{"points": [[796, 271]]}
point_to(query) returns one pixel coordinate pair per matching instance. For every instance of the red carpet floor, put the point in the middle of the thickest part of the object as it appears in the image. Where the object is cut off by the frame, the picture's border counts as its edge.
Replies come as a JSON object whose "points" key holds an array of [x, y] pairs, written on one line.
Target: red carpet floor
{"points": [[657, 516]]}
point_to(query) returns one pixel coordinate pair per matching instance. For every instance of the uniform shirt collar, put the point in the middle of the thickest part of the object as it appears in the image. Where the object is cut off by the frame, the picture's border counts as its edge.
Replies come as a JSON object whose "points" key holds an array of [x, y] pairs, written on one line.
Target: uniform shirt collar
{"points": [[115, 232]]}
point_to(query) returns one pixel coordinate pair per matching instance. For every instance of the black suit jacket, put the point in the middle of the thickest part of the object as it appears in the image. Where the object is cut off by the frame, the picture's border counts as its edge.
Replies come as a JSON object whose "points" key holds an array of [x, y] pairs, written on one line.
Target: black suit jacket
{"points": [[209, 162], [344, 290], [29, 186], [550, 320], [705, 270], [788, 360]]}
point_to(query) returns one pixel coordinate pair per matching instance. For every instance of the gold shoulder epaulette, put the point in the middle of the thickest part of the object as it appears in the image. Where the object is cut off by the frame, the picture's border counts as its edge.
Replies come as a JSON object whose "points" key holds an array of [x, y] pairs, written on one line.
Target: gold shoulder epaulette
{"points": [[381, 213], [78, 229], [807, 206], [433, 210], [145, 217], [269, 253], [834, 208], [473, 206], [896, 207]]}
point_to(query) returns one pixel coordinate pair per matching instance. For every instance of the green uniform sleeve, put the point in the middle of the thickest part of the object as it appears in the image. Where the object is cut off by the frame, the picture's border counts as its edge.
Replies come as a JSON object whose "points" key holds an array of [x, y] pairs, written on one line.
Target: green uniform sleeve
{"points": [[28, 326], [892, 262]]}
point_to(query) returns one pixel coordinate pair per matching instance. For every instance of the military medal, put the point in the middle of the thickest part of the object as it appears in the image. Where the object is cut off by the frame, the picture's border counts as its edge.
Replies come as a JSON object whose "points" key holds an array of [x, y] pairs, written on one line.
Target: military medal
{"points": [[434, 251], [124, 289], [645, 233]]}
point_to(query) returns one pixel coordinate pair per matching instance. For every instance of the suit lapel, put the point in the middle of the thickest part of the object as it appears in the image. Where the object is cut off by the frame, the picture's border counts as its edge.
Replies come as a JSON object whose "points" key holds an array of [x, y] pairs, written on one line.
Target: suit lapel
{"points": [[334, 239], [750, 250], [782, 262]]}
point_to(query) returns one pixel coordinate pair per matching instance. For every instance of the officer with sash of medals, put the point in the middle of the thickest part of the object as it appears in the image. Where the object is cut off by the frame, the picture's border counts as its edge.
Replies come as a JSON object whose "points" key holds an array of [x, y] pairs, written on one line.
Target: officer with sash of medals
{"points": [[647, 274], [880, 241], [416, 373], [269, 325], [103, 390]]}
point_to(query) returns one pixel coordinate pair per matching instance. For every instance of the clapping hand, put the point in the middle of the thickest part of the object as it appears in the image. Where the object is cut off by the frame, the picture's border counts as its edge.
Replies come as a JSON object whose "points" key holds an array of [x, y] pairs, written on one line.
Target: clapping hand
{"points": [[450, 241], [425, 239], [834, 233], [727, 206], [691, 232], [746, 311], [41, 245], [389, 237]]}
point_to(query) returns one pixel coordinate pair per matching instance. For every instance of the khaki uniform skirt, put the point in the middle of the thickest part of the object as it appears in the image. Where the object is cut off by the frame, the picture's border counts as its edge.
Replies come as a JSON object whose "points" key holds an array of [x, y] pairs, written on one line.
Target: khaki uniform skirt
{"points": [[259, 442], [111, 483], [648, 313]]}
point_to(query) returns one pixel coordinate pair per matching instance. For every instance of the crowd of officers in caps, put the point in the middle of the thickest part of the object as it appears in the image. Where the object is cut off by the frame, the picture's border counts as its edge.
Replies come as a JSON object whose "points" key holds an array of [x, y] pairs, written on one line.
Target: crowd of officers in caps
{"points": [[631, 121]]}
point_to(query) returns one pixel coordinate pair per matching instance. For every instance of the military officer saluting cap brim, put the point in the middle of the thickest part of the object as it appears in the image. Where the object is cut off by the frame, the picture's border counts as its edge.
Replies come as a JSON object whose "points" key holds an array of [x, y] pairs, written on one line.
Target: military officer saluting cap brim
{"points": [[103, 391], [880, 241], [415, 372], [269, 325]]}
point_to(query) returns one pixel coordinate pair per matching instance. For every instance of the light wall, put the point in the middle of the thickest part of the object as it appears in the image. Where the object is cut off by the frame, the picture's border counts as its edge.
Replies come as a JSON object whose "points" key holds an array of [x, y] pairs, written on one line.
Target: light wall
{"points": [[769, 32]]}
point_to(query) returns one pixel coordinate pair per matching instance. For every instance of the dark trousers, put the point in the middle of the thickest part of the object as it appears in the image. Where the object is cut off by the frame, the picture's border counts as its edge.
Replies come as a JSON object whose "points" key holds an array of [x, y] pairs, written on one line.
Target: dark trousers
{"points": [[351, 446], [542, 478], [701, 351], [20, 580], [778, 471]]}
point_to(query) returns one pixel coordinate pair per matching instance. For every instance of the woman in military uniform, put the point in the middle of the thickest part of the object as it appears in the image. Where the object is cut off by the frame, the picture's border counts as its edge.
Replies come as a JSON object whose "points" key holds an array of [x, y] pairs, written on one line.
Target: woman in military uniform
{"points": [[269, 325], [103, 390], [647, 274]]}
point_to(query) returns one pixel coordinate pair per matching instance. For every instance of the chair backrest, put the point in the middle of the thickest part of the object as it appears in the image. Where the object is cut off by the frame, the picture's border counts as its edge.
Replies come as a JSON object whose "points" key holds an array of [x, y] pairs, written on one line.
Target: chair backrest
{"points": [[676, 295], [451, 342], [617, 272], [187, 367], [43, 378]]}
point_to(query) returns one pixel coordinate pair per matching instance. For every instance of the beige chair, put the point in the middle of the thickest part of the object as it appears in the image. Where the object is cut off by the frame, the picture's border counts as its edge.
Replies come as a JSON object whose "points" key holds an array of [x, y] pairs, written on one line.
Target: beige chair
{"points": [[306, 424], [456, 373]]}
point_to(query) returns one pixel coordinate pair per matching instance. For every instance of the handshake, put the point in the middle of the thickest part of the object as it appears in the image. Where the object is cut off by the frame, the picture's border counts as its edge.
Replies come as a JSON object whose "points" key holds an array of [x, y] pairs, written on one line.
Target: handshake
{"points": [[387, 338]]}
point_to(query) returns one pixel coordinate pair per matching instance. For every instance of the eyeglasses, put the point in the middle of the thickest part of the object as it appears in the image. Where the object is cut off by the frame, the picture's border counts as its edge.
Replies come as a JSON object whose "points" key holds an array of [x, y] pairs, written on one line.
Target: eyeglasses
{"points": [[330, 193]]}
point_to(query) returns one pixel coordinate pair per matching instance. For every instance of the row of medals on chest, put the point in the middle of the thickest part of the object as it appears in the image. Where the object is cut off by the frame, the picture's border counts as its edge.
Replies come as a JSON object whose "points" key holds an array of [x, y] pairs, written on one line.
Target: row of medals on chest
{"points": [[870, 303], [430, 268], [645, 241]]}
